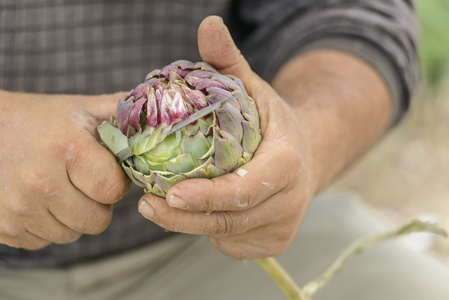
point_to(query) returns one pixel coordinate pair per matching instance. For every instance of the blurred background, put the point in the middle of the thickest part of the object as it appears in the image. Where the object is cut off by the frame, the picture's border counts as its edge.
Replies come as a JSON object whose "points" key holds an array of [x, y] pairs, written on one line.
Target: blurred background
{"points": [[407, 174]]}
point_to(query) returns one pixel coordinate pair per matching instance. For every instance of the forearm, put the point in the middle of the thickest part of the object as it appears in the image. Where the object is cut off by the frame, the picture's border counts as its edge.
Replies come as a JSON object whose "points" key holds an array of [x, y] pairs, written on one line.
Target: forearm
{"points": [[343, 105]]}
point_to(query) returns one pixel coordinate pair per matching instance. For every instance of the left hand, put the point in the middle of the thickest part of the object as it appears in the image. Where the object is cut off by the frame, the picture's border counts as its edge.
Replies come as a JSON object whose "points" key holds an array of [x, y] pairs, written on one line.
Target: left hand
{"points": [[255, 215]]}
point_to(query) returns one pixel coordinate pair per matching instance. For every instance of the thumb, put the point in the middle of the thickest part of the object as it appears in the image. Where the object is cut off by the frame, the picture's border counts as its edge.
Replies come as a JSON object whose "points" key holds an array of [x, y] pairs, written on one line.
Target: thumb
{"points": [[102, 107], [217, 48]]}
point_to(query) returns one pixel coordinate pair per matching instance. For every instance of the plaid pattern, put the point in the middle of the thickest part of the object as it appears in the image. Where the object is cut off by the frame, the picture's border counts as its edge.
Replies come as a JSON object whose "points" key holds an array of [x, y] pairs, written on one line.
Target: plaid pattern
{"points": [[93, 47], [104, 46]]}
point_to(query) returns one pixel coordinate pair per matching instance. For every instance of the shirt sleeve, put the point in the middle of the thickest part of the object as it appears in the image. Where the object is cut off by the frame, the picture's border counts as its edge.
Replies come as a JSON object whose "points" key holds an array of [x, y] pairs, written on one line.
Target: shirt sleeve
{"points": [[384, 33]]}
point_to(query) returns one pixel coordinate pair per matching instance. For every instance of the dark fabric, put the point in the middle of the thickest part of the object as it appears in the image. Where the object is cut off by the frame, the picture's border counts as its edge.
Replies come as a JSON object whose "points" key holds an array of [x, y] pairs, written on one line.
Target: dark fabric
{"points": [[281, 28], [104, 46]]}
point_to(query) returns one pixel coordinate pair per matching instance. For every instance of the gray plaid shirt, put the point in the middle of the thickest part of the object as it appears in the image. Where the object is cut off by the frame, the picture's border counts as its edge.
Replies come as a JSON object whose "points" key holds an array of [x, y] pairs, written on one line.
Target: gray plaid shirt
{"points": [[104, 46]]}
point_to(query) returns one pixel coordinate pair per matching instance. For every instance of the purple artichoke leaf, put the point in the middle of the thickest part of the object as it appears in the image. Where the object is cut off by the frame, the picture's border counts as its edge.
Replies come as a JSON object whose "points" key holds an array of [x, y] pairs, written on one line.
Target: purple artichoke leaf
{"points": [[205, 67], [152, 110], [185, 64], [181, 108], [248, 107], [239, 83], [153, 74], [230, 120], [152, 82], [165, 71], [200, 74], [251, 137], [135, 114], [216, 94], [204, 83], [140, 91], [196, 97], [227, 151], [254, 120], [227, 81], [124, 108], [175, 78]]}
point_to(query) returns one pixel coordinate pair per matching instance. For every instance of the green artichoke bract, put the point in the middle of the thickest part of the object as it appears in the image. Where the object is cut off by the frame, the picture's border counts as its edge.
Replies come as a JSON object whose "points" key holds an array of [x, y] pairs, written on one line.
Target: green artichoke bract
{"points": [[209, 147]]}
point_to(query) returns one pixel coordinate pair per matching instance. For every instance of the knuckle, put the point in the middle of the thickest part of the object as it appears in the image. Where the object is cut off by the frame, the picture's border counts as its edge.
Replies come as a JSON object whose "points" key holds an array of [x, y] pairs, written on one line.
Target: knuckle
{"points": [[115, 189], [99, 220], [171, 222], [71, 150], [19, 239], [63, 235], [225, 224], [38, 183], [12, 230], [232, 199], [17, 206], [244, 199], [66, 236], [109, 189]]}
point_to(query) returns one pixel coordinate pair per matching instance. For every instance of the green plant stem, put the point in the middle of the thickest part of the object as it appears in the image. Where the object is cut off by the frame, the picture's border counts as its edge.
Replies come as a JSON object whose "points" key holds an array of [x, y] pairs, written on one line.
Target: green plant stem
{"points": [[282, 278], [358, 246], [294, 292]]}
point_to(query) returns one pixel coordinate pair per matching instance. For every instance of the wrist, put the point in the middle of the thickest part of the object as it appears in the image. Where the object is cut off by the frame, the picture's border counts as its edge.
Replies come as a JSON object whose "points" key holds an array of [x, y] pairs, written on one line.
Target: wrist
{"points": [[342, 105]]}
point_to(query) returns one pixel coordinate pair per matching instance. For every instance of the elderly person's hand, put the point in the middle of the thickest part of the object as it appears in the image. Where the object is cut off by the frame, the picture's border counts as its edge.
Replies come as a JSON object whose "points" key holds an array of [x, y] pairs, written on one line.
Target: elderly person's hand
{"points": [[56, 180], [314, 122]]}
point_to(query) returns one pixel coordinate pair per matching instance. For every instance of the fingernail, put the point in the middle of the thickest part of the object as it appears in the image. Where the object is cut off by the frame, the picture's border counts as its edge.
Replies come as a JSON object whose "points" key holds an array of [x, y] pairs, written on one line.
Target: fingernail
{"points": [[176, 202], [146, 210]]}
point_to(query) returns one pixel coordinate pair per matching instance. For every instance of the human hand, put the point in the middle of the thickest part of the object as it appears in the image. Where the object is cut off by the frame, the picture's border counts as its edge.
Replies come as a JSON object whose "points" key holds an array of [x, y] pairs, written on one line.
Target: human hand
{"points": [[56, 181], [255, 214]]}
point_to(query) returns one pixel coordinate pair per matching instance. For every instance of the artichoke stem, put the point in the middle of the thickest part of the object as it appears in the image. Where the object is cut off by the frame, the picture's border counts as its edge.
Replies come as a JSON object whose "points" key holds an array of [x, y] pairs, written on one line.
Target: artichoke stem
{"points": [[282, 278]]}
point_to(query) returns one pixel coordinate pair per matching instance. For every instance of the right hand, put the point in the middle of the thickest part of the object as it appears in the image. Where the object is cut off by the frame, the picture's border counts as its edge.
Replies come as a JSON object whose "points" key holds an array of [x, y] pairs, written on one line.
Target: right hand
{"points": [[56, 180]]}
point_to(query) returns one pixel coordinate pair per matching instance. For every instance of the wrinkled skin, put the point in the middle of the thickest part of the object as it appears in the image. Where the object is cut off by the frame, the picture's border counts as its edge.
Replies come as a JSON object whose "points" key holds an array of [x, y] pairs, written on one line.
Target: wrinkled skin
{"points": [[57, 182], [318, 126]]}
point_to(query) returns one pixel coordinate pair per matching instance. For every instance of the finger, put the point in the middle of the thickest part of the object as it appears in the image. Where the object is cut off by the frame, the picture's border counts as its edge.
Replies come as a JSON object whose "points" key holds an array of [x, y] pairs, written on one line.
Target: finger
{"points": [[26, 240], [48, 228], [79, 212], [217, 48], [93, 170], [263, 241], [102, 107], [217, 223], [274, 167]]}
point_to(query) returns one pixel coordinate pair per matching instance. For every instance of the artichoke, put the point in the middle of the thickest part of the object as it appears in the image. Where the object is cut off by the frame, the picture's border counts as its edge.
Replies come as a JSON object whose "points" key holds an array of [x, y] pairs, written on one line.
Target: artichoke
{"points": [[216, 144]]}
